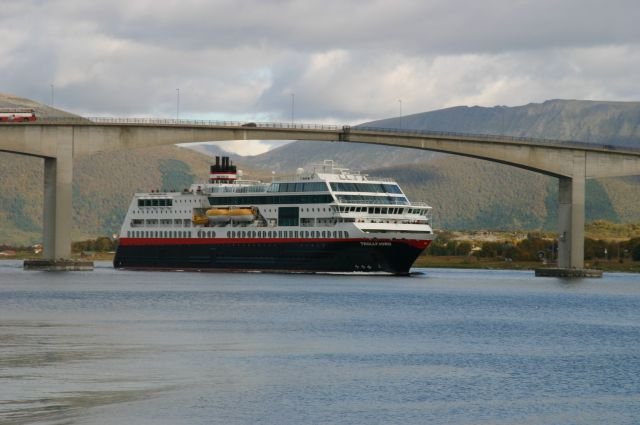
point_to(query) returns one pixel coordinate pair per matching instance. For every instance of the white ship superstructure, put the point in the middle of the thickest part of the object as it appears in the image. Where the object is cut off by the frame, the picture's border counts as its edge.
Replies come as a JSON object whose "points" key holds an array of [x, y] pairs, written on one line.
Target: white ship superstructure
{"points": [[327, 219]]}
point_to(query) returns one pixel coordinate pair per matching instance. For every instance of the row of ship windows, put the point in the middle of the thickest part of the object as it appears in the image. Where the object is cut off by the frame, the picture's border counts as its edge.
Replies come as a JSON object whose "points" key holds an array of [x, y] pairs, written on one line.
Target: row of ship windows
{"points": [[165, 202], [270, 199], [298, 187], [363, 199], [235, 189], [137, 222], [335, 234], [313, 187], [265, 210], [365, 187], [378, 210], [302, 209], [308, 199], [164, 234], [156, 202]]}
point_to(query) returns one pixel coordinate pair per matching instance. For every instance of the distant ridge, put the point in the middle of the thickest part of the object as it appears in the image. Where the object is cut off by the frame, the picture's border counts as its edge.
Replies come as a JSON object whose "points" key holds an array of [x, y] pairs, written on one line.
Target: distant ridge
{"points": [[613, 123]]}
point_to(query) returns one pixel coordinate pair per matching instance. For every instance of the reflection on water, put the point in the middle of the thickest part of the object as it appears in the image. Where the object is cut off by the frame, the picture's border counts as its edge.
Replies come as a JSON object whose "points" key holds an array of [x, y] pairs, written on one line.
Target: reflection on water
{"points": [[463, 347], [32, 355], [65, 408]]}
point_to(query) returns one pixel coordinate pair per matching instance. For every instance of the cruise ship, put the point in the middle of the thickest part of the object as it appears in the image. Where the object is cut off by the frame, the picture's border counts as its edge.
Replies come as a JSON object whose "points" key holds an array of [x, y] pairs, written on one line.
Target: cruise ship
{"points": [[323, 220]]}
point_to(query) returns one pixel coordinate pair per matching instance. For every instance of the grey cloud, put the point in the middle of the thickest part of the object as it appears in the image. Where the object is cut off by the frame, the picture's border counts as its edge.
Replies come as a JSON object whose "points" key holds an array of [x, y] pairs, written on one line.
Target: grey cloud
{"points": [[431, 27], [346, 61]]}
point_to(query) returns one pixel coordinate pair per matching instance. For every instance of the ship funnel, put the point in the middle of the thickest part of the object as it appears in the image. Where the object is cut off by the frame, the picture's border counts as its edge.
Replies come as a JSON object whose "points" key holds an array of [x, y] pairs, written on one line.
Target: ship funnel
{"points": [[223, 171]]}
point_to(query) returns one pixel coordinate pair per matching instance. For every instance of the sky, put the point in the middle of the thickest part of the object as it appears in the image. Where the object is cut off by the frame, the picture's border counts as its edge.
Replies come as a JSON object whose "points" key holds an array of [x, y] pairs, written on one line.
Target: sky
{"points": [[315, 61]]}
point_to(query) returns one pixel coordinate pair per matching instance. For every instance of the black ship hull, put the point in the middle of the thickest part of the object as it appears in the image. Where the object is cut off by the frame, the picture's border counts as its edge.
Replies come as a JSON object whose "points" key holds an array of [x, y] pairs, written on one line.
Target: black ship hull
{"points": [[316, 256]]}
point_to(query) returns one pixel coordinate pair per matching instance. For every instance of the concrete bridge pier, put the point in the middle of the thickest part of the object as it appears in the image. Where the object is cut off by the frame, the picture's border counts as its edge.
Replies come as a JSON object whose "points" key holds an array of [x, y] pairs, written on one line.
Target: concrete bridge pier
{"points": [[571, 195], [571, 218], [58, 215], [57, 219]]}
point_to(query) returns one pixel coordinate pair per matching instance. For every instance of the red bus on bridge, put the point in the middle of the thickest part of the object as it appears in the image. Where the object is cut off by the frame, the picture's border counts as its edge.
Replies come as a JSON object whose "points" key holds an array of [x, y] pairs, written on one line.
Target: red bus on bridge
{"points": [[17, 115]]}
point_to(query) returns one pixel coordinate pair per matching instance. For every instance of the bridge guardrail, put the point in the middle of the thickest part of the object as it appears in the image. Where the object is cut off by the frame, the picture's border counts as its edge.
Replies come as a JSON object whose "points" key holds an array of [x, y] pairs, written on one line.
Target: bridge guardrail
{"points": [[178, 122]]}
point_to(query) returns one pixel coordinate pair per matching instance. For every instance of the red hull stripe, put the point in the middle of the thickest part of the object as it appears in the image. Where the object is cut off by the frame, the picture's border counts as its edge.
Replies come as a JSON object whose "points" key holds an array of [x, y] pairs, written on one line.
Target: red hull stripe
{"points": [[420, 244]]}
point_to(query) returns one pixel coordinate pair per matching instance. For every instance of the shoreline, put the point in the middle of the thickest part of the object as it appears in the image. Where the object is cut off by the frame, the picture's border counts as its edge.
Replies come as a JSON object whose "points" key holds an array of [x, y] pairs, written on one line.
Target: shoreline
{"points": [[430, 261], [471, 262]]}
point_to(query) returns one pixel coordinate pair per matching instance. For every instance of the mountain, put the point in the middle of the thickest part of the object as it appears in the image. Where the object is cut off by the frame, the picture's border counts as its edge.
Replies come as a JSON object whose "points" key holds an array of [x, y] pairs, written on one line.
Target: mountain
{"points": [[465, 193], [609, 123]]}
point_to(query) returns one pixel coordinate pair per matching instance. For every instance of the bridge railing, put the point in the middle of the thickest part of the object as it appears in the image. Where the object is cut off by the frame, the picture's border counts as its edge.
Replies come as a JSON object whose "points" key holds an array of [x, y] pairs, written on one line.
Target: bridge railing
{"points": [[498, 138], [183, 122]]}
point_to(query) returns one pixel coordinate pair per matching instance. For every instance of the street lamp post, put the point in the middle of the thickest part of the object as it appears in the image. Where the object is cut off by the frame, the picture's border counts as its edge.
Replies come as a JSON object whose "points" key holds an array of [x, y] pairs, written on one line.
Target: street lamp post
{"points": [[400, 104], [293, 103], [177, 104]]}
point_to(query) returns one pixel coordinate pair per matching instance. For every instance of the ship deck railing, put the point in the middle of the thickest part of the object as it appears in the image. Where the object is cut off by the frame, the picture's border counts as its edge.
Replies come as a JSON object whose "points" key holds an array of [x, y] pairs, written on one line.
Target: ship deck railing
{"points": [[239, 189], [373, 202], [420, 204], [340, 176]]}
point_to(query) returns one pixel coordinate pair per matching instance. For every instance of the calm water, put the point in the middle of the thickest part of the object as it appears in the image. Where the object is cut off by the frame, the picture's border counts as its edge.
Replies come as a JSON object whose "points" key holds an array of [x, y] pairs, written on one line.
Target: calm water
{"points": [[446, 347]]}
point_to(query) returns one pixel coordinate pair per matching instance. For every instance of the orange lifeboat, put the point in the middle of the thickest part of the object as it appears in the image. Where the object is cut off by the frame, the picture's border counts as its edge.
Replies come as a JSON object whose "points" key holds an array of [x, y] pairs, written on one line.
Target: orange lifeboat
{"points": [[224, 215]]}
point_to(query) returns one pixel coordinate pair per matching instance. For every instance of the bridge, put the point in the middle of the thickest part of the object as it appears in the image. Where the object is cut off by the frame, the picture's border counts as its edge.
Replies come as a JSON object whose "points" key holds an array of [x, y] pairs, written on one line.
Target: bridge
{"points": [[61, 140]]}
